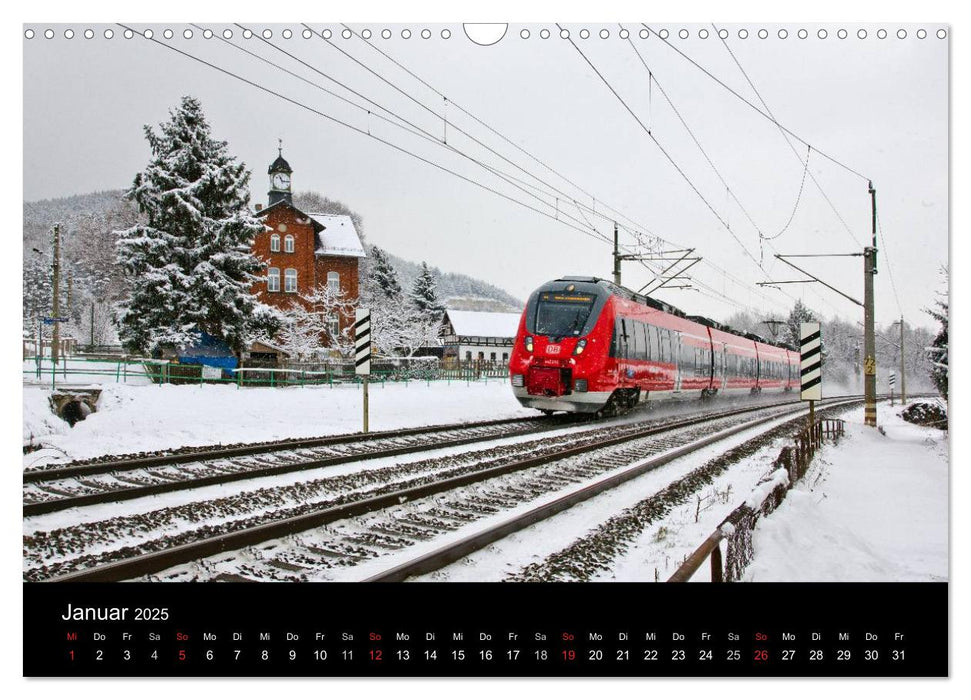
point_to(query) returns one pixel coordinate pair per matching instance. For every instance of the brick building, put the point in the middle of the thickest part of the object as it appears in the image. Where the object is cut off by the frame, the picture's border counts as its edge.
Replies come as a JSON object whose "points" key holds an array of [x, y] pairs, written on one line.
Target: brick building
{"points": [[304, 250]]}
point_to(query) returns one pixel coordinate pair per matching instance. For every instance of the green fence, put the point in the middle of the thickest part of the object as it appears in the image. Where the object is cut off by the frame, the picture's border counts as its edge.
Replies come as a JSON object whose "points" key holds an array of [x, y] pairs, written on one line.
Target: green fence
{"points": [[85, 370]]}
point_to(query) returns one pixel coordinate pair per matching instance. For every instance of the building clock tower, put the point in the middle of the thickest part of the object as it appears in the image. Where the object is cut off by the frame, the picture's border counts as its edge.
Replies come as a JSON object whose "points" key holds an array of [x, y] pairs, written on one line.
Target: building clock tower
{"points": [[279, 173]]}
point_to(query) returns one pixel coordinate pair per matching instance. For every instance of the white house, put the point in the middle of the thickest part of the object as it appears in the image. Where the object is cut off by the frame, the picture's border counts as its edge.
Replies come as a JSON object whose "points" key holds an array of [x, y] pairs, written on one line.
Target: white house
{"points": [[486, 336]]}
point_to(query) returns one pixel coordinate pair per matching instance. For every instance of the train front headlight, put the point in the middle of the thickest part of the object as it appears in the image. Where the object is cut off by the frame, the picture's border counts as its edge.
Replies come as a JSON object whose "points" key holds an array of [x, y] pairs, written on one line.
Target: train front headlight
{"points": [[529, 343], [581, 344]]}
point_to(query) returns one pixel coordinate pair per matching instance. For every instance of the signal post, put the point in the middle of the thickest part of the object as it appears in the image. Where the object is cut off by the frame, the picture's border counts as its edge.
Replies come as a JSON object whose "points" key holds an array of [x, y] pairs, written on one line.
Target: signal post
{"points": [[810, 366], [362, 353]]}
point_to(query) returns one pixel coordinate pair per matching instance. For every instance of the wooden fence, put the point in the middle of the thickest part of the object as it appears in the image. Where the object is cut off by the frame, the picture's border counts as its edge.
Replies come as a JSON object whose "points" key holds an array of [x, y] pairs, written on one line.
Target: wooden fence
{"points": [[789, 467]]}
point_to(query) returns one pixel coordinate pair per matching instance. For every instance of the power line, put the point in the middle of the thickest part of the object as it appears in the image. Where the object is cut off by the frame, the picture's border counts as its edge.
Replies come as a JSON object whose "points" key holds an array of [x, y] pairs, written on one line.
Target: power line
{"points": [[653, 78], [788, 142], [681, 172], [418, 131], [435, 114], [886, 257], [663, 151], [767, 116], [347, 125], [472, 116], [579, 206], [363, 132]]}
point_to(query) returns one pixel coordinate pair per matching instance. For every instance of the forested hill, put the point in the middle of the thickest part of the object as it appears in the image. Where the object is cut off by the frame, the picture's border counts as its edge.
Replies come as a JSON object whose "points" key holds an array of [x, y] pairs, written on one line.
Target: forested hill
{"points": [[81, 215], [458, 291]]}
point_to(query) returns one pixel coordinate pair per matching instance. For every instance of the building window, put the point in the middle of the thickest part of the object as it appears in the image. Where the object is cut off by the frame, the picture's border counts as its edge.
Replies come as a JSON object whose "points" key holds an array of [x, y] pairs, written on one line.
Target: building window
{"points": [[333, 327], [290, 280], [334, 282], [468, 355], [275, 243], [492, 357], [505, 357], [273, 280], [288, 244]]}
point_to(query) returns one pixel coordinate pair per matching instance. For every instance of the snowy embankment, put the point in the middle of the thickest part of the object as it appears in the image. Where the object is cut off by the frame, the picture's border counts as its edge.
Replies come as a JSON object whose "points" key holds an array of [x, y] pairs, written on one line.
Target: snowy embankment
{"points": [[133, 419], [872, 508]]}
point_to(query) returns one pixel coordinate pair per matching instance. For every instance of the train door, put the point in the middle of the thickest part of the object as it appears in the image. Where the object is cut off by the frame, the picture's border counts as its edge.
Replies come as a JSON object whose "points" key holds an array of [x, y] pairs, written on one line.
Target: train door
{"points": [[718, 365], [622, 341], [679, 365]]}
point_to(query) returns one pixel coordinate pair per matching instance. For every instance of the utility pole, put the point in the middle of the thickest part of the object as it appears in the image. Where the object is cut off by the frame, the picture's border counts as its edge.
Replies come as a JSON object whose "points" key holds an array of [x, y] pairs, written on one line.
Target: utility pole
{"points": [[616, 257], [869, 340], [903, 381], [56, 311]]}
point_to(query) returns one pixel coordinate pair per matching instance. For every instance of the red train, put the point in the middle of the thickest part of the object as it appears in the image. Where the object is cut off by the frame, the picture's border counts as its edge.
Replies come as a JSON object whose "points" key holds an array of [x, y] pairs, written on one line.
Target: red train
{"points": [[587, 345]]}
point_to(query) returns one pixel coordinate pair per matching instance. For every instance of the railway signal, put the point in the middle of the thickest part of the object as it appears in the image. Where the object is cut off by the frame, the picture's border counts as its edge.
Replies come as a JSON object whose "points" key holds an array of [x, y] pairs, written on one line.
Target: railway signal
{"points": [[362, 353], [810, 365]]}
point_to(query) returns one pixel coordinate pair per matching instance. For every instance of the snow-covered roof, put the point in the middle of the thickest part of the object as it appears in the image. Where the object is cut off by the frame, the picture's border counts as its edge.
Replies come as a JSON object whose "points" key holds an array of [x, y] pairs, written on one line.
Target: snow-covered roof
{"points": [[484, 324], [339, 236]]}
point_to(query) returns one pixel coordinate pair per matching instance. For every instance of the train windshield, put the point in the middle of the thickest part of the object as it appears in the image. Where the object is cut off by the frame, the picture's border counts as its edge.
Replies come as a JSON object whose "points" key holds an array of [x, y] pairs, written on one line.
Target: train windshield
{"points": [[562, 314]]}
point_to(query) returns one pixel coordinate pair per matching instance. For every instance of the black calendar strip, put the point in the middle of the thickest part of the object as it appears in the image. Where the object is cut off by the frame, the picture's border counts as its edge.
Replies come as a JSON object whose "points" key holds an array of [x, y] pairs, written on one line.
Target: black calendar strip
{"points": [[485, 630]]}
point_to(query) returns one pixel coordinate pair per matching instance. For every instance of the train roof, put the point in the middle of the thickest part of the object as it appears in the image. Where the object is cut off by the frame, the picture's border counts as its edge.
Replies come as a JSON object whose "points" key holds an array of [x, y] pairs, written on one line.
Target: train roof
{"points": [[669, 309]]}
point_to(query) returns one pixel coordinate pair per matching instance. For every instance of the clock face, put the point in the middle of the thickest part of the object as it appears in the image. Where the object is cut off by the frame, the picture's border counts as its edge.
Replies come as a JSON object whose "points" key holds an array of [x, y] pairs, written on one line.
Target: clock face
{"points": [[281, 181]]}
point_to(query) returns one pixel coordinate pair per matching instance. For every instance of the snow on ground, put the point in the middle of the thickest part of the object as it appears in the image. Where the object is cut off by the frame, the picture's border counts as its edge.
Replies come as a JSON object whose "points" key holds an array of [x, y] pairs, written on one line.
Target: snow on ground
{"points": [[659, 550], [154, 417], [873, 508]]}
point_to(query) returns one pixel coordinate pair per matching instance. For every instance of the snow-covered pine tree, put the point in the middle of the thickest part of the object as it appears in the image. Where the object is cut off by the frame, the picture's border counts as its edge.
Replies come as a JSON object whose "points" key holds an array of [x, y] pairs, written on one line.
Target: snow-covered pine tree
{"points": [[423, 295], [384, 274], [937, 352], [189, 260], [38, 290], [800, 314]]}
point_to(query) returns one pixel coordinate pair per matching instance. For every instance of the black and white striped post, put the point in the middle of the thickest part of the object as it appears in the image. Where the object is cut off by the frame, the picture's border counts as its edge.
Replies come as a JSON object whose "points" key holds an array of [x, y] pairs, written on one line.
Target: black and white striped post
{"points": [[893, 380], [810, 364], [362, 353]]}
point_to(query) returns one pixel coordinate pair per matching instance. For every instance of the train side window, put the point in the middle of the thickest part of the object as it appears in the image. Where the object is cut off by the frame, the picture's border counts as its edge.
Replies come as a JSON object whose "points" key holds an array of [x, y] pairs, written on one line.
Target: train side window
{"points": [[635, 345]]}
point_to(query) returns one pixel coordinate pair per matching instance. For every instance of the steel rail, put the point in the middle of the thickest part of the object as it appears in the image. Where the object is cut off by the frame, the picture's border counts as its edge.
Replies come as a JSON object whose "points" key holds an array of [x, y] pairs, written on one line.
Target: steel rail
{"points": [[98, 468], [129, 493], [154, 562], [443, 556]]}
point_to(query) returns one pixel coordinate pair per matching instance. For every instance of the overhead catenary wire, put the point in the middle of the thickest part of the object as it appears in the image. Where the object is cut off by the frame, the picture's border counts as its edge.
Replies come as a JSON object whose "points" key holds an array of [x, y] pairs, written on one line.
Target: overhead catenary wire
{"points": [[711, 164], [767, 116], [257, 85], [428, 109], [354, 128], [786, 136], [579, 206], [678, 168], [886, 257], [805, 164], [616, 213], [667, 155], [516, 182]]}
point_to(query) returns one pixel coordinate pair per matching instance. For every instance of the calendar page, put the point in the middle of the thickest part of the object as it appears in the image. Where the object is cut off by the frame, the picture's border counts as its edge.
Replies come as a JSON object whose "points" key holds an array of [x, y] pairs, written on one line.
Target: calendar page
{"points": [[556, 349]]}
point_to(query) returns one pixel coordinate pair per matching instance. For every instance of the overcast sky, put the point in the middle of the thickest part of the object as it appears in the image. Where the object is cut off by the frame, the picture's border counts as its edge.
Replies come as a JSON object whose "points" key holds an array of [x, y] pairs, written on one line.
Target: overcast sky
{"points": [[879, 106]]}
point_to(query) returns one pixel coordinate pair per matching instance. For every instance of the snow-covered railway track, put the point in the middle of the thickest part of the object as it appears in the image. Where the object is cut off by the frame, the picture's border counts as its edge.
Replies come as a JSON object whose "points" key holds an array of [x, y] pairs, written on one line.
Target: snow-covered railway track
{"points": [[687, 443], [72, 486], [386, 521]]}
